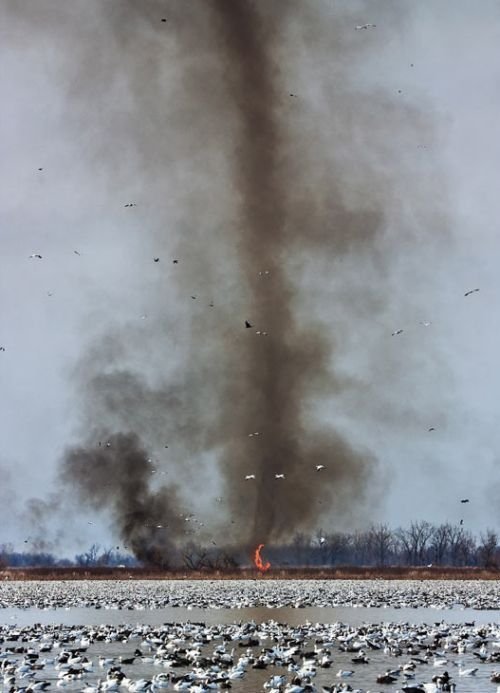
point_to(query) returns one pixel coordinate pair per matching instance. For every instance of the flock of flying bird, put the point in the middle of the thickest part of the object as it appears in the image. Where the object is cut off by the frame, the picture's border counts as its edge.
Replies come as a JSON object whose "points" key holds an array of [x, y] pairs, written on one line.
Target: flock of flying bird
{"points": [[249, 325]]}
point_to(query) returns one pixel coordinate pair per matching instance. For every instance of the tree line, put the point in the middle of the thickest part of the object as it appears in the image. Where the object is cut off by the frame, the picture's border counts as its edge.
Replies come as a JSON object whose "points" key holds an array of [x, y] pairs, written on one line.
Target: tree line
{"points": [[419, 544]]}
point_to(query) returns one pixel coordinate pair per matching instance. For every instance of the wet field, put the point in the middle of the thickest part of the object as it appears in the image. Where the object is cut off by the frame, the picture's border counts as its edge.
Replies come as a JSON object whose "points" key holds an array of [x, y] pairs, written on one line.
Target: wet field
{"points": [[201, 636]]}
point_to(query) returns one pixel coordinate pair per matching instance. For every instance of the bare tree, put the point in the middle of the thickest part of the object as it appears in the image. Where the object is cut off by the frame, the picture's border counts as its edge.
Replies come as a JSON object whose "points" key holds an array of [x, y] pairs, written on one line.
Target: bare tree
{"points": [[440, 543], [360, 543], [381, 540], [105, 557], [414, 541], [488, 548], [300, 545], [339, 547], [89, 558], [223, 560], [462, 546], [196, 557]]}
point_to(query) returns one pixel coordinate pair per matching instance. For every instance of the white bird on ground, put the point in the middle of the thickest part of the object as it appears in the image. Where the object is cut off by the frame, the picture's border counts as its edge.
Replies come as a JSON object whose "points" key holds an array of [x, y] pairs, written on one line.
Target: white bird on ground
{"points": [[467, 672], [319, 467], [250, 476], [279, 476]]}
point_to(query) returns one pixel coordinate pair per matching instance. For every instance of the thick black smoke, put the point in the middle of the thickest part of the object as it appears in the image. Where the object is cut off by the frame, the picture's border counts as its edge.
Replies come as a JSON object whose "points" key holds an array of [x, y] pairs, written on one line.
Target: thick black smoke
{"points": [[231, 182], [115, 473], [281, 361]]}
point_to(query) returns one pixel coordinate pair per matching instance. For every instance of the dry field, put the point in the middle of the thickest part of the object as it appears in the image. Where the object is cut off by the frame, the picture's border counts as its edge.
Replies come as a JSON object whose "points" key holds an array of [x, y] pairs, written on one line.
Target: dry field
{"points": [[339, 573]]}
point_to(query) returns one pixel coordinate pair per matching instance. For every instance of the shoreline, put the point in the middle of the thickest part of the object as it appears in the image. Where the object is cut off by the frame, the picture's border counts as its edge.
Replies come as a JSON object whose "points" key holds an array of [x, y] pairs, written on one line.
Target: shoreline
{"points": [[338, 573]]}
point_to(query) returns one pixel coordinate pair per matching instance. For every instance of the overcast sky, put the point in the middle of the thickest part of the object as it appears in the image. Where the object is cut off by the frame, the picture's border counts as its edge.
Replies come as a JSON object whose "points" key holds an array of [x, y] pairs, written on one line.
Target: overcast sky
{"points": [[69, 109]]}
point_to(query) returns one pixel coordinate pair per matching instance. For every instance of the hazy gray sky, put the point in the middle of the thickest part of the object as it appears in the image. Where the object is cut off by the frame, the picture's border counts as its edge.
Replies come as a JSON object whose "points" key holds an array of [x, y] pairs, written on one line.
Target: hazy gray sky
{"points": [[407, 114]]}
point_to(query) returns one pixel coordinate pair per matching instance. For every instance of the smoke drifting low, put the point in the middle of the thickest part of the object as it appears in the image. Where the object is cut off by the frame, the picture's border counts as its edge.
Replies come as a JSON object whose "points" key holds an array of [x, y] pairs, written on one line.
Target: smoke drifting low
{"points": [[116, 475], [210, 100]]}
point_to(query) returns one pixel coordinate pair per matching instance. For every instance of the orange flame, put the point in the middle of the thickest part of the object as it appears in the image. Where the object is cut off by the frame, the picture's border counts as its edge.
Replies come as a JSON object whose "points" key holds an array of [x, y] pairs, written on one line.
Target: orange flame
{"points": [[258, 560]]}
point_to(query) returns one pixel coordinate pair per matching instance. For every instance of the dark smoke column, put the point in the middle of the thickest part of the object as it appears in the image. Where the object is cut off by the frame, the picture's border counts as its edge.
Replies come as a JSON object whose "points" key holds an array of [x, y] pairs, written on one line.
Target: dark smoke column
{"points": [[276, 371]]}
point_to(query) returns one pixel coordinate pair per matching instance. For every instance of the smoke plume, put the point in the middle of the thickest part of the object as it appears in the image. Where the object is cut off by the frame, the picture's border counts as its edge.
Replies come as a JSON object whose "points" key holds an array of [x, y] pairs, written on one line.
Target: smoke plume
{"points": [[281, 362], [116, 474], [225, 375]]}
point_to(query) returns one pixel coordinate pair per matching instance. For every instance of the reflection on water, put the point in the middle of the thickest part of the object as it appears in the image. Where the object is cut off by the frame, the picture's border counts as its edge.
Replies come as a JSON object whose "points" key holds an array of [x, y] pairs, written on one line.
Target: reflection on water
{"points": [[364, 676], [351, 615]]}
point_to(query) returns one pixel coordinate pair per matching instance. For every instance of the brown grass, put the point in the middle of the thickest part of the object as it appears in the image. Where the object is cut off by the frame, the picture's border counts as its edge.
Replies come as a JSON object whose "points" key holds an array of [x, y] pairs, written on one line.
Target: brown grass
{"points": [[340, 573]]}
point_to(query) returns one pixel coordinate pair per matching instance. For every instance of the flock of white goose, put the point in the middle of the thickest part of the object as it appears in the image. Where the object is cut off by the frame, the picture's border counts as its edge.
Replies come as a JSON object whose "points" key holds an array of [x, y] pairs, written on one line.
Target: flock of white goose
{"points": [[246, 656]]}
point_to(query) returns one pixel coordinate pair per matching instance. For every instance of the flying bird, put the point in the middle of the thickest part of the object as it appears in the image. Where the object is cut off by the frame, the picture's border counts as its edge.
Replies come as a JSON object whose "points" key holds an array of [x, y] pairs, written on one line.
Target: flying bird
{"points": [[247, 324], [279, 476], [40, 169], [471, 291], [431, 429], [130, 204], [175, 262], [2, 348], [76, 252], [250, 476], [465, 500], [364, 26], [156, 259], [397, 332], [35, 255]]}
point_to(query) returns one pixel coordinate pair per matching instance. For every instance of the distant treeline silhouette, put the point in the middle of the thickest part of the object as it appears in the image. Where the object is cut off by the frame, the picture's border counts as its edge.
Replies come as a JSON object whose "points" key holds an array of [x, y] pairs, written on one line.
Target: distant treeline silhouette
{"points": [[420, 544]]}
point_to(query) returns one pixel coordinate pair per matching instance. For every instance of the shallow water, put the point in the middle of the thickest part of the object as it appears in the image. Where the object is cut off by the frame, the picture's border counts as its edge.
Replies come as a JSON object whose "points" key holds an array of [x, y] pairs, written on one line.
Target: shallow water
{"points": [[139, 596], [364, 676], [351, 615]]}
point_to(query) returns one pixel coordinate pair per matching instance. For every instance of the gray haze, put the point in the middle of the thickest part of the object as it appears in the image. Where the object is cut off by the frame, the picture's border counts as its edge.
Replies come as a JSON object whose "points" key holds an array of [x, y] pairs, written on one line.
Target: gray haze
{"points": [[356, 167]]}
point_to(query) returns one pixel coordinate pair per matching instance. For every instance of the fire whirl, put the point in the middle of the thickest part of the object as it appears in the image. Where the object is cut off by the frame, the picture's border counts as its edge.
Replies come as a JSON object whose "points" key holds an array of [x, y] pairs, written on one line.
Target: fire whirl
{"points": [[257, 559]]}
